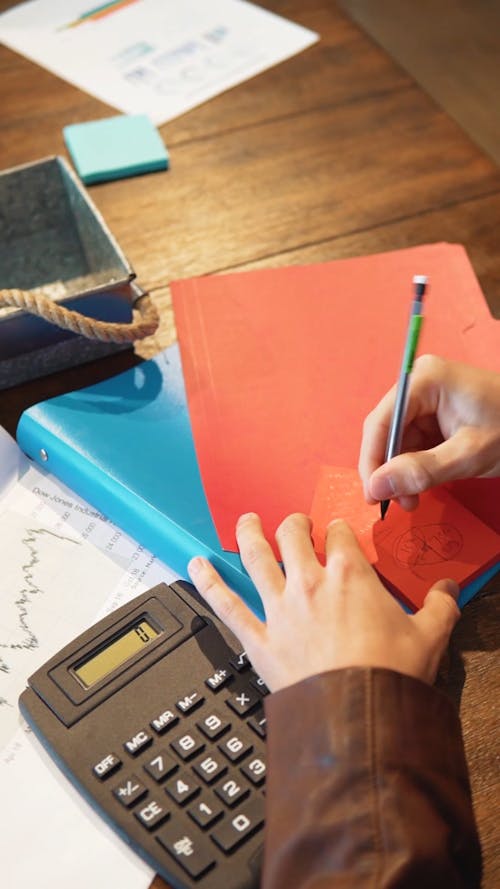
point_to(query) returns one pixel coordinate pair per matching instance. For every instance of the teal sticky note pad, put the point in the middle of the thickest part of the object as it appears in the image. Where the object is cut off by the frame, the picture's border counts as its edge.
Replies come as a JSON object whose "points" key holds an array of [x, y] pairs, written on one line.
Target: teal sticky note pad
{"points": [[115, 147]]}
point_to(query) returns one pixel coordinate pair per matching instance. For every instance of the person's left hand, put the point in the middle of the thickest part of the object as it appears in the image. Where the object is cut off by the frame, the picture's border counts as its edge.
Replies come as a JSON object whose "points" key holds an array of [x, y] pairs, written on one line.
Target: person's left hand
{"points": [[321, 618]]}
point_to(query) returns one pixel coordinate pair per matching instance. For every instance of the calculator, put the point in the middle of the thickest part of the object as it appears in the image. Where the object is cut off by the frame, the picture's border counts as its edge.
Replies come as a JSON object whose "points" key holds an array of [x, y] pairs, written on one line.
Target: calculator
{"points": [[156, 716]]}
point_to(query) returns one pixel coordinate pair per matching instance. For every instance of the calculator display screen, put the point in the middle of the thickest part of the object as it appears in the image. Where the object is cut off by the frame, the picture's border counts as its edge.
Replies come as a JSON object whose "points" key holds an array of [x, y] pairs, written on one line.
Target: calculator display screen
{"points": [[107, 659]]}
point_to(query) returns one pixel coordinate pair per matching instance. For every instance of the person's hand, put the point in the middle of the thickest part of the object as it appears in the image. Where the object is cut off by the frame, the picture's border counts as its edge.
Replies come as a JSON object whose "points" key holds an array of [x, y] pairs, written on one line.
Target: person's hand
{"points": [[321, 618], [452, 431]]}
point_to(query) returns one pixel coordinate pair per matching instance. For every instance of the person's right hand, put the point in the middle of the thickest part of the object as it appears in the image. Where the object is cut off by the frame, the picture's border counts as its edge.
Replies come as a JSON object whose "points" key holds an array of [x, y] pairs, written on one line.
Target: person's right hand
{"points": [[452, 431]]}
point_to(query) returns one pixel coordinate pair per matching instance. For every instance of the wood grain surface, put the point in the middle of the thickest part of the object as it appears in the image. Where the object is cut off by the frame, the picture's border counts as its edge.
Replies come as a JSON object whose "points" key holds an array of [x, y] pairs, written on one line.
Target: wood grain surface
{"points": [[336, 152]]}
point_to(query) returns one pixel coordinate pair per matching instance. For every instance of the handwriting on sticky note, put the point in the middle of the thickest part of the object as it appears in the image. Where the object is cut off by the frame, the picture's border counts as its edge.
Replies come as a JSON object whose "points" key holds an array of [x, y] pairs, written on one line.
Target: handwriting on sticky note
{"points": [[441, 538], [428, 545], [410, 550], [339, 495]]}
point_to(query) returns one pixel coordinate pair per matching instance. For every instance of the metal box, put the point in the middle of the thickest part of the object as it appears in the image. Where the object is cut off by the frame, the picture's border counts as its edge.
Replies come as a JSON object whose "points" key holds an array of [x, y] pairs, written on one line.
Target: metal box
{"points": [[52, 236]]}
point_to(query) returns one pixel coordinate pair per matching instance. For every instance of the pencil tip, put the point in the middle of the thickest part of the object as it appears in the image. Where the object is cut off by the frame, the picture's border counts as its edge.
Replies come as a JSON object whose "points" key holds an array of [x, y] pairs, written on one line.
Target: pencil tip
{"points": [[384, 506]]}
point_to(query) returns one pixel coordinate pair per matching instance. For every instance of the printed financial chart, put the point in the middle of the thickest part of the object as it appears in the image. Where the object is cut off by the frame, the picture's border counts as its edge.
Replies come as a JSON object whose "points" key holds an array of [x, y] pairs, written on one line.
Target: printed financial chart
{"points": [[63, 566], [155, 57]]}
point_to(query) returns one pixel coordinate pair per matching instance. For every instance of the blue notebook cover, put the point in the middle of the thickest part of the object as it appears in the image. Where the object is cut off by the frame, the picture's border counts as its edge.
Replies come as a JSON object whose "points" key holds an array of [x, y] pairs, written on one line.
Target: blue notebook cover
{"points": [[125, 445]]}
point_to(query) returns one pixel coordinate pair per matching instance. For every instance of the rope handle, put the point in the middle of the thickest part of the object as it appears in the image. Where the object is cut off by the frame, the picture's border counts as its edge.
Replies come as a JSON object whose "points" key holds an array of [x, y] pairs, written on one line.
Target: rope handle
{"points": [[38, 303]]}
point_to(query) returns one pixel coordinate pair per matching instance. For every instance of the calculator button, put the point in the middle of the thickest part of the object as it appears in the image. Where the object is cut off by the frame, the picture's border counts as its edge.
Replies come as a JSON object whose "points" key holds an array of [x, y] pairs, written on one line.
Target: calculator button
{"points": [[188, 745], [258, 723], [240, 661], [219, 679], [182, 788], [164, 721], [235, 747], [231, 791], [152, 814], [190, 851], [130, 791], [243, 701], [205, 811], [190, 702], [260, 685], [138, 743], [234, 830], [255, 770], [161, 766], [107, 766], [213, 725], [210, 769]]}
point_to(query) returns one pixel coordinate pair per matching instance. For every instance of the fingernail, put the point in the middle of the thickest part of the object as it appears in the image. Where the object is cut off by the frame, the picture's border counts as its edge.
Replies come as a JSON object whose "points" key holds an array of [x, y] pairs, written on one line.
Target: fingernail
{"points": [[195, 566], [383, 487], [452, 587], [243, 518]]}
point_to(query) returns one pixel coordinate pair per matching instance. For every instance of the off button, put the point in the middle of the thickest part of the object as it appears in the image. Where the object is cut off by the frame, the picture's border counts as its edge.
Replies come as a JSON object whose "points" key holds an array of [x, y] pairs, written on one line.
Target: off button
{"points": [[107, 766]]}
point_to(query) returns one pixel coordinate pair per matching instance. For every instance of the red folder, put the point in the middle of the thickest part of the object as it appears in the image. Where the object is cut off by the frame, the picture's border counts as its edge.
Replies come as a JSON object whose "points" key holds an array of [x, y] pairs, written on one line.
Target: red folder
{"points": [[282, 366]]}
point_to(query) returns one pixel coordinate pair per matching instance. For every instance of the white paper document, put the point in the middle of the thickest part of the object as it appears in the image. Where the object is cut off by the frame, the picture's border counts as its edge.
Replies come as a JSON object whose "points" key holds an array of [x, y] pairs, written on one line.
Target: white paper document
{"points": [[155, 57], [51, 838], [63, 567]]}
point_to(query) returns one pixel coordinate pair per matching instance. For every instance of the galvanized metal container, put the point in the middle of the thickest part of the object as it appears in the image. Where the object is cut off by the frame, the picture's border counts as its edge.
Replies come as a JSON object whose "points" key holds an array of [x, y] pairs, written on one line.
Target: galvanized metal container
{"points": [[52, 236]]}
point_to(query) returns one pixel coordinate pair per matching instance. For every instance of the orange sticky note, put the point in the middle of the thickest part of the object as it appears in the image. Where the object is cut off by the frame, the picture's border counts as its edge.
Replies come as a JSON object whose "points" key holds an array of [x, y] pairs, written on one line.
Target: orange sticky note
{"points": [[339, 495], [410, 551], [441, 538]]}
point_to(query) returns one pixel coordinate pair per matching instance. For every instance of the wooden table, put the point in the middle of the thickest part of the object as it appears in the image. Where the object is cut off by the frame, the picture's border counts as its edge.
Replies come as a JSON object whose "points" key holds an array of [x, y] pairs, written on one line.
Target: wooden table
{"points": [[334, 153]]}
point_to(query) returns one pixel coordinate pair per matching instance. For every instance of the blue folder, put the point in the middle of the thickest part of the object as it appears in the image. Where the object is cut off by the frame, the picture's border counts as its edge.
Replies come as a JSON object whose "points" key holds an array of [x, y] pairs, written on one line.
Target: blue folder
{"points": [[125, 445]]}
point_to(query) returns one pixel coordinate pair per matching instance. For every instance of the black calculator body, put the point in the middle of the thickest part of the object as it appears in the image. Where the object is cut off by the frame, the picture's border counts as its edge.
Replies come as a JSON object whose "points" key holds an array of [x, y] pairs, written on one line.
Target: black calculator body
{"points": [[157, 717]]}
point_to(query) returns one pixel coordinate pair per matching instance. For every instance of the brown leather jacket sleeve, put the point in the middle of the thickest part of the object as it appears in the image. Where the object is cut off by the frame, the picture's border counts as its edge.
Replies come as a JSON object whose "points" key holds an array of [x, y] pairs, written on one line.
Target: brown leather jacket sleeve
{"points": [[367, 787]]}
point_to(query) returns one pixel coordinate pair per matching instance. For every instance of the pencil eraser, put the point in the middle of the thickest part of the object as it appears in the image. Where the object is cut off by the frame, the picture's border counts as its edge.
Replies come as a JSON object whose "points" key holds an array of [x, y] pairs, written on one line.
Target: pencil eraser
{"points": [[115, 147]]}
